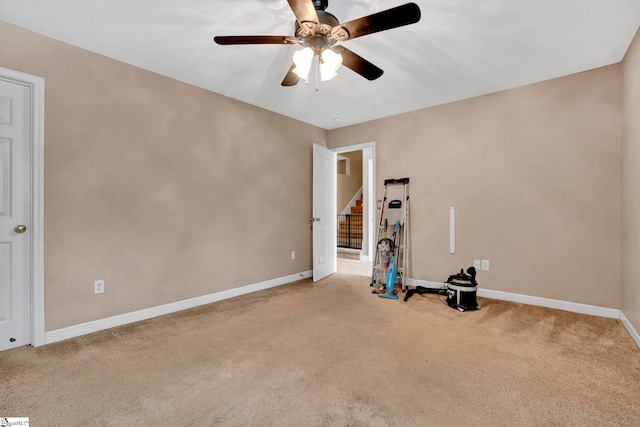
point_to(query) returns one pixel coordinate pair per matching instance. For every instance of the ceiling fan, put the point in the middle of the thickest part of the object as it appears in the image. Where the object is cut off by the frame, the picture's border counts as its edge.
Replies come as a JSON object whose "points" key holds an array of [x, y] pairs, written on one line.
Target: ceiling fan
{"points": [[319, 31]]}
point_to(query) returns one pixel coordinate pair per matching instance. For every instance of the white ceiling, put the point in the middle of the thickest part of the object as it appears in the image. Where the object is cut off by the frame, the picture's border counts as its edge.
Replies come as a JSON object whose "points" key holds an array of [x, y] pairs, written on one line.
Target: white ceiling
{"points": [[459, 49]]}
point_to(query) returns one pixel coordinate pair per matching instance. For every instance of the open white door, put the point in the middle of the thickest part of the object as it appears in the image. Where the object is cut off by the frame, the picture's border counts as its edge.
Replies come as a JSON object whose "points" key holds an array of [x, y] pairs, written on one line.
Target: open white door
{"points": [[15, 220], [324, 212]]}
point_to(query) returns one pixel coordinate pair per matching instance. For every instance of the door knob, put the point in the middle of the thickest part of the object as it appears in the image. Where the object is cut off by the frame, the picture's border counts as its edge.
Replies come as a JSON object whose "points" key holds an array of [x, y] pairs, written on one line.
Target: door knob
{"points": [[20, 228]]}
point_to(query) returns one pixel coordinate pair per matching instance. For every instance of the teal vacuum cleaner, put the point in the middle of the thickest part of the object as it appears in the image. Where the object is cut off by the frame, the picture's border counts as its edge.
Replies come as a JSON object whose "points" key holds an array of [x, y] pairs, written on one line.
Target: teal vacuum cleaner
{"points": [[392, 271]]}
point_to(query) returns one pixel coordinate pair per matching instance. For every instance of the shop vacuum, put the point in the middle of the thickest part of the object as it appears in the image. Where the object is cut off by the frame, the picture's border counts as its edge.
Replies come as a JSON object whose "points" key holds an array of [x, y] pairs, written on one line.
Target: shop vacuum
{"points": [[460, 290]]}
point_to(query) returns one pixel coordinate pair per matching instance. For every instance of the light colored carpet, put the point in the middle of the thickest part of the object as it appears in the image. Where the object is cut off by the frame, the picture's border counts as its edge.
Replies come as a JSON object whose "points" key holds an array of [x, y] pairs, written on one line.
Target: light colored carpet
{"points": [[332, 353]]}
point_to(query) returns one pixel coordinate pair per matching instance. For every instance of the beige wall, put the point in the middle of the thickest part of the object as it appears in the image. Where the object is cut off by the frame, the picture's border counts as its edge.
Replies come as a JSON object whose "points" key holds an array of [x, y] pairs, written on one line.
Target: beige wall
{"points": [[534, 174], [348, 185], [168, 191], [164, 190], [631, 184]]}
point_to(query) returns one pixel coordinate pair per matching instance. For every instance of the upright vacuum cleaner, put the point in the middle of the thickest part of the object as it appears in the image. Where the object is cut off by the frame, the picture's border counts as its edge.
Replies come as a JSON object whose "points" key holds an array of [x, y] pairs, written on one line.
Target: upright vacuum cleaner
{"points": [[392, 271], [398, 209]]}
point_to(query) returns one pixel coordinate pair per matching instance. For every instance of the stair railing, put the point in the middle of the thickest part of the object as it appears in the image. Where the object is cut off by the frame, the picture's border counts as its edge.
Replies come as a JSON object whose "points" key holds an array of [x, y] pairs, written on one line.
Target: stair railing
{"points": [[350, 231]]}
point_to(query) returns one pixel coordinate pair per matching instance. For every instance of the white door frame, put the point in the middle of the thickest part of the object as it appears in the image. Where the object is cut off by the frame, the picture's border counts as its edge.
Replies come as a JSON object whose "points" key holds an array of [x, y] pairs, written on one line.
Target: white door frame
{"points": [[37, 198], [369, 194]]}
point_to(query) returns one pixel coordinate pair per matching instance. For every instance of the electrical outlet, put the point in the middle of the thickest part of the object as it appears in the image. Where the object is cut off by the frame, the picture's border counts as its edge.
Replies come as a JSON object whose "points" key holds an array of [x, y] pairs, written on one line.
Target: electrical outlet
{"points": [[476, 264], [98, 287], [293, 254], [485, 264]]}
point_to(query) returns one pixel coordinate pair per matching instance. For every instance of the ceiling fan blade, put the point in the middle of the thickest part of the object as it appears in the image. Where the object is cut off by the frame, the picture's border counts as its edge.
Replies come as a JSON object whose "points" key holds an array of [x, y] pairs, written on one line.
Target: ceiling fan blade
{"points": [[391, 18], [232, 40], [291, 79], [358, 64], [304, 10]]}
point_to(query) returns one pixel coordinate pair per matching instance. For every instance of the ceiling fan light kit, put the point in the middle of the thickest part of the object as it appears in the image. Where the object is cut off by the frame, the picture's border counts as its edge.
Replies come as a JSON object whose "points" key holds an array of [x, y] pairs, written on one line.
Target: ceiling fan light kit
{"points": [[318, 32], [329, 64], [302, 60]]}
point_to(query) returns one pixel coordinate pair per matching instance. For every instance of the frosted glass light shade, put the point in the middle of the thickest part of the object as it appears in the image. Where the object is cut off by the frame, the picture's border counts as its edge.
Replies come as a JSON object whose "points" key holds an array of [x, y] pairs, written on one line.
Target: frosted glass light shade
{"points": [[330, 63], [302, 59]]}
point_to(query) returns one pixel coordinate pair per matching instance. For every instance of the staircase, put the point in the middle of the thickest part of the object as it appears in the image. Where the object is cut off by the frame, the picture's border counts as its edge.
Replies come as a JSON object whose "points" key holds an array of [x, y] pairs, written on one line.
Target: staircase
{"points": [[350, 229]]}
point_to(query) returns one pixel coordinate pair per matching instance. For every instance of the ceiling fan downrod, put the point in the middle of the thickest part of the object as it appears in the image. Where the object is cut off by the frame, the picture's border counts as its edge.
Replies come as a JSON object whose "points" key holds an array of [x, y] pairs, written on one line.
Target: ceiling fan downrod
{"points": [[321, 4]]}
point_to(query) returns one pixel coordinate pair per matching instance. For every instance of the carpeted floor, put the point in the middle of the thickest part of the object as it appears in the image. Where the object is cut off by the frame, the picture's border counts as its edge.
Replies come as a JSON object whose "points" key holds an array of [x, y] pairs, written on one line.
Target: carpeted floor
{"points": [[331, 353]]}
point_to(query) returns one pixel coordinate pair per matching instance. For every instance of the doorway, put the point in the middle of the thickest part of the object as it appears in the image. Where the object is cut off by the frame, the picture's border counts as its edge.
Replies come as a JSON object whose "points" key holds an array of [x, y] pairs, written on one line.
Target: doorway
{"points": [[356, 258]]}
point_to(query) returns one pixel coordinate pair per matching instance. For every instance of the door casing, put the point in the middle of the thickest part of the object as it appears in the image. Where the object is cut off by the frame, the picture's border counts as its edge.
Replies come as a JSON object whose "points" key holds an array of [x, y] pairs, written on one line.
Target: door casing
{"points": [[369, 183]]}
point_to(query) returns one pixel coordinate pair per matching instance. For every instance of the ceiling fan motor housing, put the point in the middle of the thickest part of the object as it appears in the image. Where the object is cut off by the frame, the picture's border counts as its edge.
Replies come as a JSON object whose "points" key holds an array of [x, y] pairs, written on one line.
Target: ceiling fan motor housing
{"points": [[325, 18], [319, 35]]}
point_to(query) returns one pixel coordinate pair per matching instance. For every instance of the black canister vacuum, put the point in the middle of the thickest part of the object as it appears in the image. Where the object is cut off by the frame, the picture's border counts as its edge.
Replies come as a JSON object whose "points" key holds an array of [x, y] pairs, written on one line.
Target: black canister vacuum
{"points": [[460, 290]]}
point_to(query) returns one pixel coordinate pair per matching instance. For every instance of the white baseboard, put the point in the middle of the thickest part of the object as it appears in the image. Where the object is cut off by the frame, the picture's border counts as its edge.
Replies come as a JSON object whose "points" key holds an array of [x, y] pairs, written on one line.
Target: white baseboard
{"points": [[575, 307], [136, 316], [632, 331], [424, 283]]}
